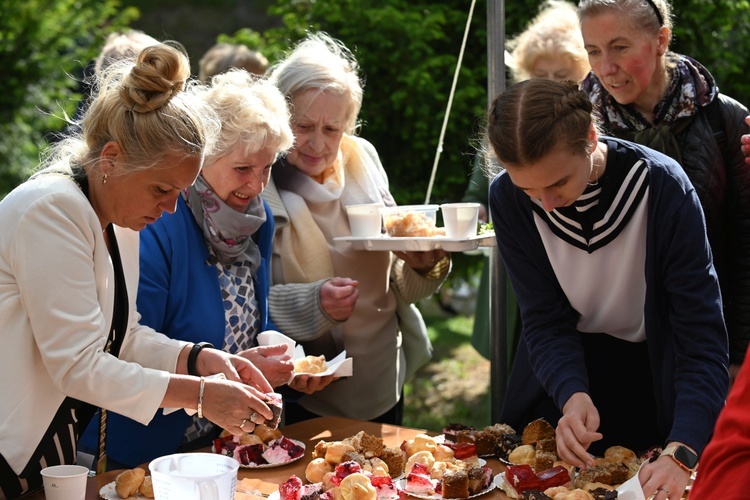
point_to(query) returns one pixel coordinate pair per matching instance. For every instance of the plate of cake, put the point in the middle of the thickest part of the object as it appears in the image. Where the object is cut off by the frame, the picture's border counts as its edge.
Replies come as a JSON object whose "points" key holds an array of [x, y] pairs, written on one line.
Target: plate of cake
{"points": [[263, 448], [455, 482], [348, 482]]}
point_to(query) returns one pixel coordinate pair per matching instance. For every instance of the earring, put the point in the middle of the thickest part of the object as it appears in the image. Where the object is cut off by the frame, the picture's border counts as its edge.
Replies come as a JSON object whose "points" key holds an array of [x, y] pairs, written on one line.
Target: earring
{"points": [[104, 179]]}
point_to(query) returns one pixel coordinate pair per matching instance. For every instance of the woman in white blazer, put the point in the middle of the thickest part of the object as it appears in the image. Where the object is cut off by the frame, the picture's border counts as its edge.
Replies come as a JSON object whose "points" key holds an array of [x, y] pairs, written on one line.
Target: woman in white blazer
{"points": [[68, 278]]}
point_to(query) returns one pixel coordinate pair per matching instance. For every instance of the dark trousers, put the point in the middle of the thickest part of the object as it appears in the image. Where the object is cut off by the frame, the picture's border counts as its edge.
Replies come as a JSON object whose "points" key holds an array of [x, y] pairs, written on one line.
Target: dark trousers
{"points": [[620, 385]]}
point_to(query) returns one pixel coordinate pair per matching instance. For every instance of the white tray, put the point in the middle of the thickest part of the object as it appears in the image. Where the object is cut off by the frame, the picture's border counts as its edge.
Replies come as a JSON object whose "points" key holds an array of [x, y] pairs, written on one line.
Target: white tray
{"points": [[419, 243]]}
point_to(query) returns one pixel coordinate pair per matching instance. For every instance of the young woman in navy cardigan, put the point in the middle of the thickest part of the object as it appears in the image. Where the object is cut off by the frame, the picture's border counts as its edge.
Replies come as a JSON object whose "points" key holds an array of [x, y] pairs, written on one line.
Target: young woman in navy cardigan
{"points": [[604, 240]]}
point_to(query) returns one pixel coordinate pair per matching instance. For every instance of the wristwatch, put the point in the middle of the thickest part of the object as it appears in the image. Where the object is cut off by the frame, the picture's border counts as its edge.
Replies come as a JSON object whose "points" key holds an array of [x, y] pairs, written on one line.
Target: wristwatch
{"points": [[193, 356], [684, 457]]}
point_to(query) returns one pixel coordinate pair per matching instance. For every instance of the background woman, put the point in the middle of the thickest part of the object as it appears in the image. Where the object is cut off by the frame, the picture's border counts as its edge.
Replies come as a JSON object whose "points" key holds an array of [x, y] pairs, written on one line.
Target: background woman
{"points": [[671, 103], [205, 269], [604, 242], [69, 277], [339, 297]]}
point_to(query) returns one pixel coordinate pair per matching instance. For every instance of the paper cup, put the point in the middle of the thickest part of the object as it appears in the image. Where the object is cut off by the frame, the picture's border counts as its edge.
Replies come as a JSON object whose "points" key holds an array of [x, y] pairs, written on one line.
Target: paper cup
{"points": [[364, 220], [65, 482], [460, 219]]}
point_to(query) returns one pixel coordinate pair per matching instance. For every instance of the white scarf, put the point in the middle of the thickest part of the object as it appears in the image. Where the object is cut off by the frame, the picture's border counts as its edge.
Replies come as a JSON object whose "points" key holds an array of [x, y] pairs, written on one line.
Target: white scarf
{"points": [[305, 257]]}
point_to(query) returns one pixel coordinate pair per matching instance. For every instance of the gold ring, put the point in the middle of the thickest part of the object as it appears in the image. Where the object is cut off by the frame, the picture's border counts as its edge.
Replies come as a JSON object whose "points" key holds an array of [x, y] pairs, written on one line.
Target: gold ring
{"points": [[244, 421]]}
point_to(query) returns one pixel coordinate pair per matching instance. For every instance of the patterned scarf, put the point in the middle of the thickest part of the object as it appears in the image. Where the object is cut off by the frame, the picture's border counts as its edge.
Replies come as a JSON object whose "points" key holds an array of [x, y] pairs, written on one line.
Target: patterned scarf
{"points": [[691, 87], [228, 231]]}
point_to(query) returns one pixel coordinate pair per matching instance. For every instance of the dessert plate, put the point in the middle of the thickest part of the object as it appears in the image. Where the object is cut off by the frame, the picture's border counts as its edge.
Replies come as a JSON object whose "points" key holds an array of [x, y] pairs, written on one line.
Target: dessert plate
{"points": [[401, 485], [276, 496], [270, 466], [419, 243]]}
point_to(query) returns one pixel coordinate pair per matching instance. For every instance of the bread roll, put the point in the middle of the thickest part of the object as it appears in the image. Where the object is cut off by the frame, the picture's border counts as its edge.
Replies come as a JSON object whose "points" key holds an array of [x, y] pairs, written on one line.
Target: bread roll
{"points": [[377, 467], [619, 454], [420, 442], [266, 433], [523, 455], [317, 469], [246, 438], [310, 364], [335, 451], [357, 487], [147, 488], [128, 482], [442, 453]]}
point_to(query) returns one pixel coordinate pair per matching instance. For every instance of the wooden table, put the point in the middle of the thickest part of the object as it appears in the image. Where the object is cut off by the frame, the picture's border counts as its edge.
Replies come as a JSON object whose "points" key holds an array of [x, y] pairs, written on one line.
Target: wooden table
{"points": [[310, 432]]}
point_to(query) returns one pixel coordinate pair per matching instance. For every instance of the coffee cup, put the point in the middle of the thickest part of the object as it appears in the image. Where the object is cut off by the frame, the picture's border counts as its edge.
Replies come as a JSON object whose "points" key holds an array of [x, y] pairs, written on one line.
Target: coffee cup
{"points": [[460, 219], [365, 220], [65, 482]]}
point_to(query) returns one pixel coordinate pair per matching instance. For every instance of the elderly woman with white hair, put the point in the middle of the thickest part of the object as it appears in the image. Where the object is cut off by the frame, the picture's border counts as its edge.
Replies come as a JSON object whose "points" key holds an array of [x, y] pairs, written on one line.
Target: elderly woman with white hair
{"points": [[205, 268], [328, 296]]}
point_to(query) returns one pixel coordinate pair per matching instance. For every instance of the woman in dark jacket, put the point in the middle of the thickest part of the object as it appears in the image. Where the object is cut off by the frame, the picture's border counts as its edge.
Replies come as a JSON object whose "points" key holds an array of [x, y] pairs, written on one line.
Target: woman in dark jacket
{"points": [[669, 102]]}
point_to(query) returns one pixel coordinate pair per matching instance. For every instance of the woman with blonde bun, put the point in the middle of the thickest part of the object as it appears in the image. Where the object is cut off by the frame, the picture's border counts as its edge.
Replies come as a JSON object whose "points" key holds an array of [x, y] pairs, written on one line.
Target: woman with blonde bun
{"points": [[69, 276], [205, 269]]}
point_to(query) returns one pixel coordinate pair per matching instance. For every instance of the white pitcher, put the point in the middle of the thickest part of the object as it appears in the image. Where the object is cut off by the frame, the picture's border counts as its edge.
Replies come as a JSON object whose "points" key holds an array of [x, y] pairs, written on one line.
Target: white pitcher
{"points": [[199, 476]]}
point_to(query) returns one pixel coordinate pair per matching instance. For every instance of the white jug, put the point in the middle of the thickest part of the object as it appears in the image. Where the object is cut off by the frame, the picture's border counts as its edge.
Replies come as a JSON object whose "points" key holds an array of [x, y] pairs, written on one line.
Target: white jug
{"points": [[198, 476]]}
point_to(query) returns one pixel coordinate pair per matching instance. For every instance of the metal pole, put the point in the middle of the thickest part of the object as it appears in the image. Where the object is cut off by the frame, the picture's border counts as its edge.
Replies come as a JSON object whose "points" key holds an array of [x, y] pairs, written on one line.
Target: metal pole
{"points": [[498, 305]]}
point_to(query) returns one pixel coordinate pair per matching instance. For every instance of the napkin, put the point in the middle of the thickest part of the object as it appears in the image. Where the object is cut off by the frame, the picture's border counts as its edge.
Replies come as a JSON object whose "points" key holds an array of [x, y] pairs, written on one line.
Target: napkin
{"points": [[340, 366], [631, 489], [272, 337]]}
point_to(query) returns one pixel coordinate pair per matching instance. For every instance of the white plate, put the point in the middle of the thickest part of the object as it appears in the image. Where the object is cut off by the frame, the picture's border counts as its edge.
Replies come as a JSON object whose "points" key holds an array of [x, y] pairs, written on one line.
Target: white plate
{"points": [[401, 484], [275, 496], [270, 466], [108, 492], [419, 243]]}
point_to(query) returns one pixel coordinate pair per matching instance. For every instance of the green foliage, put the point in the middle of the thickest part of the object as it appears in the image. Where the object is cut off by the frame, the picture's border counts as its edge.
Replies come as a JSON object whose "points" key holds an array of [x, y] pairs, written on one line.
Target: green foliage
{"points": [[43, 43], [408, 51], [717, 34]]}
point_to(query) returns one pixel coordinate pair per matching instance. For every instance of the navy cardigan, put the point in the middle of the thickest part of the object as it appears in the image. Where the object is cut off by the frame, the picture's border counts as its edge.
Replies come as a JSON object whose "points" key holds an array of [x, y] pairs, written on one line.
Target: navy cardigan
{"points": [[178, 295], [685, 329]]}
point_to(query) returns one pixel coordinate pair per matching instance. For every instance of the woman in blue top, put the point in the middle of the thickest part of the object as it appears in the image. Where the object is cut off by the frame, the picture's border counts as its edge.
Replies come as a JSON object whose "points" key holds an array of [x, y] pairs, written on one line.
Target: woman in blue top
{"points": [[605, 244], [204, 269]]}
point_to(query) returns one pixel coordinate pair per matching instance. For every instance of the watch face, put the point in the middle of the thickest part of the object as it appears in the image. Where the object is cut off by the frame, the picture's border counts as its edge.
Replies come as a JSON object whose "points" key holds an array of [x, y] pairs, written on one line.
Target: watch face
{"points": [[686, 457]]}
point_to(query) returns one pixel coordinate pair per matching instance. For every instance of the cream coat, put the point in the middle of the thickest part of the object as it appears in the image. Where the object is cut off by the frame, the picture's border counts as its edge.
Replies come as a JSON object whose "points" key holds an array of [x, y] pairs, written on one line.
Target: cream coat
{"points": [[56, 305]]}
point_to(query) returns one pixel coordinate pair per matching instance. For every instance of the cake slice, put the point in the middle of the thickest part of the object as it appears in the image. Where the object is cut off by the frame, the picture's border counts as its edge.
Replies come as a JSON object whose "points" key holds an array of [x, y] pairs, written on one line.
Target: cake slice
{"points": [[418, 481]]}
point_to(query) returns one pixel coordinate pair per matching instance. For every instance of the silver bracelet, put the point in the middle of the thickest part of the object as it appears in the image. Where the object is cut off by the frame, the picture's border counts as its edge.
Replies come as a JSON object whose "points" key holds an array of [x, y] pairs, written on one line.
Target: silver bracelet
{"points": [[200, 398]]}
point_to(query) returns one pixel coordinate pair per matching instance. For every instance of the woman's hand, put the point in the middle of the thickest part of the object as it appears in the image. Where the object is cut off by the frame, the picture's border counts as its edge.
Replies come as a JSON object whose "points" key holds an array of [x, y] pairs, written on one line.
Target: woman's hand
{"points": [[310, 384], [276, 366], [234, 406], [422, 262], [576, 430], [235, 368], [663, 478], [338, 296]]}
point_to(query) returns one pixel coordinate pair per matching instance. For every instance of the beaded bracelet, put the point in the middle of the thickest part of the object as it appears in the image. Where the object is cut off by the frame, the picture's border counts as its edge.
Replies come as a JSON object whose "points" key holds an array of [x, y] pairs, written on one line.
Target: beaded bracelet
{"points": [[200, 398]]}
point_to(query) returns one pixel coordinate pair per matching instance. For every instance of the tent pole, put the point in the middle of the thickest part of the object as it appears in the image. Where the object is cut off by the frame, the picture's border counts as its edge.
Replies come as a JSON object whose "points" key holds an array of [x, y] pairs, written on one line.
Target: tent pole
{"points": [[498, 305]]}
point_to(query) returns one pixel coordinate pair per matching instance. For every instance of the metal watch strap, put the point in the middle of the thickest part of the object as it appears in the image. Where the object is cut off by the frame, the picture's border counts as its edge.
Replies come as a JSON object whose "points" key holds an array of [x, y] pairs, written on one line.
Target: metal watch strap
{"points": [[670, 451]]}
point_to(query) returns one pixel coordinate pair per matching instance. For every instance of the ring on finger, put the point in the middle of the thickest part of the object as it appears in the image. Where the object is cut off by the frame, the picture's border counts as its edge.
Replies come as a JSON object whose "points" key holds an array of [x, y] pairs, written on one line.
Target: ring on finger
{"points": [[253, 416], [242, 424]]}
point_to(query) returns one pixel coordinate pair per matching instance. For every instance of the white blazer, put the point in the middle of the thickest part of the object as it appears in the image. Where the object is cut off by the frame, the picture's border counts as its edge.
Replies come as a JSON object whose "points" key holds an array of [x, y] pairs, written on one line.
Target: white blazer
{"points": [[56, 305]]}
